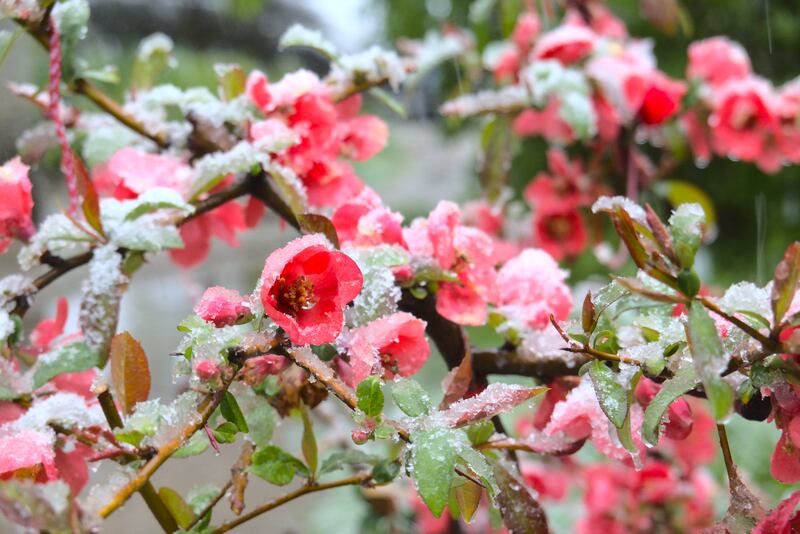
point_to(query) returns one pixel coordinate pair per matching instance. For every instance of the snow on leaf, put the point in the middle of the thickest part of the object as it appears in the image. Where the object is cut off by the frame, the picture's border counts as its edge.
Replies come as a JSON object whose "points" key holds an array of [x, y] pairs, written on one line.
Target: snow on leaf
{"points": [[67, 409], [157, 199], [373, 66], [102, 293], [686, 226], [57, 234], [379, 294], [509, 98], [433, 458], [610, 204], [612, 396], [495, 399], [77, 356], [242, 158], [299, 35]]}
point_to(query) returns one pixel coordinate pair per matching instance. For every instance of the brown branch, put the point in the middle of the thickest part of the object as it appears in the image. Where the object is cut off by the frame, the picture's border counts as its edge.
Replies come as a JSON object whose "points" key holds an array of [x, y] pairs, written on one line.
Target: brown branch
{"points": [[355, 480]]}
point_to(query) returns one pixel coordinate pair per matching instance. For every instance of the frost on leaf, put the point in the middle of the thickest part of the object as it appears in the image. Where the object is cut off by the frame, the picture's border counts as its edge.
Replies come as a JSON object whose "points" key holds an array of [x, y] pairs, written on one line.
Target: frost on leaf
{"points": [[372, 66], [77, 356], [433, 458], [495, 399], [509, 98], [609, 204], [147, 230], [242, 158], [37, 507], [7, 326], [57, 234], [686, 226], [67, 409], [102, 293], [299, 35]]}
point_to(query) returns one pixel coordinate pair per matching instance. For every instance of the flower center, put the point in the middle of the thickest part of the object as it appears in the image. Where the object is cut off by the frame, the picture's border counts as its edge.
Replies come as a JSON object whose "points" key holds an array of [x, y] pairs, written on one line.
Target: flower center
{"points": [[295, 296], [559, 226]]}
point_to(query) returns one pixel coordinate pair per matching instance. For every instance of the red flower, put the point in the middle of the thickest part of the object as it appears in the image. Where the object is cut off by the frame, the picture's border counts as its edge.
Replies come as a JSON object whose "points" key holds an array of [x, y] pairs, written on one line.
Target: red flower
{"points": [[221, 306], [394, 345], [17, 204], [365, 221], [305, 287], [653, 97]]}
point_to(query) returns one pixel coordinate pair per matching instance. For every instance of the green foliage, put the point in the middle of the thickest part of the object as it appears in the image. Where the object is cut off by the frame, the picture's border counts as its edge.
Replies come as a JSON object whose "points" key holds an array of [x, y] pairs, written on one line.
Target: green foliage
{"points": [[433, 458], [370, 396], [411, 398], [277, 466]]}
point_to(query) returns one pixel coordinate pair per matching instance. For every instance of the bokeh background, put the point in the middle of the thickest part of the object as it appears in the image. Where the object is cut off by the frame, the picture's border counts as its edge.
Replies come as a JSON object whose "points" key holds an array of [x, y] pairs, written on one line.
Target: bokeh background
{"points": [[427, 159]]}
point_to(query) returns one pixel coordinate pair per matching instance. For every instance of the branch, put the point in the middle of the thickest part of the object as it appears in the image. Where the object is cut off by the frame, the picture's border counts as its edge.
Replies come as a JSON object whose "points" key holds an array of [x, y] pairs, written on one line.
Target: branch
{"points": [[204, 410], [356, 480]]}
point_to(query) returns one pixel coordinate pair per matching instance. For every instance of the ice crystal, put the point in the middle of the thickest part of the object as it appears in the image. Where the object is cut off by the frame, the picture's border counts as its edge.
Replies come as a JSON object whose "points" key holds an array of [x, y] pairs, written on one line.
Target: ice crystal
{"points": [[609, 204], [508, 98], [379, 295], [299, 35], [59, 235], [496, 398], [99, 494], [747, 297]]}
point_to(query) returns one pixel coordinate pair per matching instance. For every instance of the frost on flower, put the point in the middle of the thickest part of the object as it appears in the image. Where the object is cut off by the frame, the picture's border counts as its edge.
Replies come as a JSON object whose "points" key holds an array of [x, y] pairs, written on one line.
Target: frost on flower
{"points": [[299, 35], [380, 294], [57, 234], [35, 506], [609, 204]]}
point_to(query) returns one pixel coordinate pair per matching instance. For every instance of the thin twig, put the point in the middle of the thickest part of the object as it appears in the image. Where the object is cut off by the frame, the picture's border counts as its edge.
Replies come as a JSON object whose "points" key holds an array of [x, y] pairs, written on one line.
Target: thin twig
{"points": [[355, 480], [210, 506], [766, 341], [730, 466]]}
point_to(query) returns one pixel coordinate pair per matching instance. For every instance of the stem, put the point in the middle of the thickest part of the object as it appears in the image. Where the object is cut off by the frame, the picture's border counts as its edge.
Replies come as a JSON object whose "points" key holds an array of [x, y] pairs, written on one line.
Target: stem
{"points": [[766, 341], [600, 355], [210, 506], [355, 480], [147, 491], [730, 467]]}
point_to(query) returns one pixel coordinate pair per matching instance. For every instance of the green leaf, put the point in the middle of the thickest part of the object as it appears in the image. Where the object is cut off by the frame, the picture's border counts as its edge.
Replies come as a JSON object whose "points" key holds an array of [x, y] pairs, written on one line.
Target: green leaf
{"points": [[478, 464], [70, 358], [785, 281], [341, 459], [232, 80], [686, 226], [411, 398], [612, 396], [309, 441], [685, 379], [432, 462], [624, 433], [182, 512], [709, 359], [231, 412], [149, 207], [480, 432], [370, 396], [226, 432], [276, 466], [197, 444], [385, 471]]}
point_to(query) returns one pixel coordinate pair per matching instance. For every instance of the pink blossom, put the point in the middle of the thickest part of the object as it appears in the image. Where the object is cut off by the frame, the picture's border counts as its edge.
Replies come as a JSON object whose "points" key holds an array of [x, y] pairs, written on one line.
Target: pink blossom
{"points": [[526, 31], [655, 98], [305, 287], [363, 137], [567, 43], [603, 22], [698, 135], [550, 482], [221, 306], [17, 205], [257, 369], [364, 221], [394, 345], [131, 171], [717, 60], [221, 222], [48, 330], [788, 109], [561, 233], [534, 288], [207, 370]]}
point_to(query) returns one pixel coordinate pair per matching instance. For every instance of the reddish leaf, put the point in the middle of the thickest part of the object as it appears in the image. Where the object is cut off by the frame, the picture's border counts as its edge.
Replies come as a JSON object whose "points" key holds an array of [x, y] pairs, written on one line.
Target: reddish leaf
{"points": [[588, 314], [456, 383], [784, 285], [130, 373], [661, 234], [495, 399], [521, 512], [468, 495], [314, 223], [91, 201]]}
